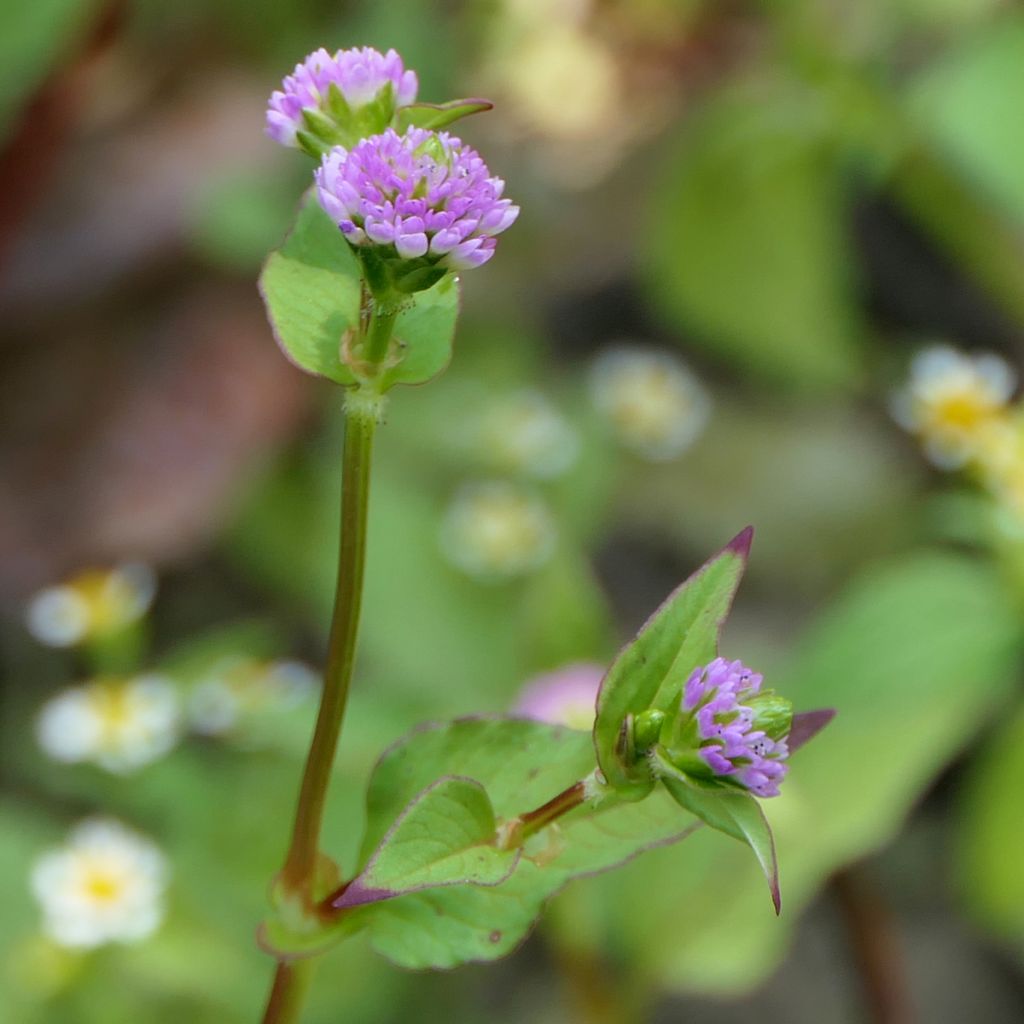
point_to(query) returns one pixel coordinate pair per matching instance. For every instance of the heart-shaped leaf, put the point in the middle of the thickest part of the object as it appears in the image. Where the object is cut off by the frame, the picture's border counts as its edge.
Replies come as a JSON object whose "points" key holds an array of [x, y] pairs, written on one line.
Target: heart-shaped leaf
{"points": [[521, 764], [312, 289], [651, 670], [444, 837]]}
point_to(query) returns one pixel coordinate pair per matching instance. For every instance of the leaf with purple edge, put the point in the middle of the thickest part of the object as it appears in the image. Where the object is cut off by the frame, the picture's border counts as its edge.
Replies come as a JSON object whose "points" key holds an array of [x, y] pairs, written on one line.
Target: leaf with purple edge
{"points": [[522, 764], [444, 837], [651, 670], [733, 812], [433, 116], [311, 287]]}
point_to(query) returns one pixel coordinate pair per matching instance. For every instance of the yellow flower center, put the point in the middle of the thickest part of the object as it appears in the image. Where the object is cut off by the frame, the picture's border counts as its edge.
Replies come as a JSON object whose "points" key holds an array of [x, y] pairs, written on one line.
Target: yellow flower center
{"points": [[965, 411], [112, 707], [101, 885]]}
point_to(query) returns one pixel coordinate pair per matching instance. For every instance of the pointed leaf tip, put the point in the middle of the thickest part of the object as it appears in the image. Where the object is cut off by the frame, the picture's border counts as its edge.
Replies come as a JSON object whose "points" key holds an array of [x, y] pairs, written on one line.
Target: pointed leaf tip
{"points": [[740, 544], [807, 725]]}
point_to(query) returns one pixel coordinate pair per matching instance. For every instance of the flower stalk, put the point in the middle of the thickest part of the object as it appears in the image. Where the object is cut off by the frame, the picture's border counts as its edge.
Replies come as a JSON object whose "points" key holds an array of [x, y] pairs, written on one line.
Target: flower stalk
{"points": [[297, 874]]}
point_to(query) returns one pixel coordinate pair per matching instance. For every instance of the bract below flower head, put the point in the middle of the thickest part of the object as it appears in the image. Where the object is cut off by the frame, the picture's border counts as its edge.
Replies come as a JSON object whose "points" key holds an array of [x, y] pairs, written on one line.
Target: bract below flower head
{"points": [[326, 92], [730, 729], [422, 196], [106, 884], [565, 697], [954, 403]]}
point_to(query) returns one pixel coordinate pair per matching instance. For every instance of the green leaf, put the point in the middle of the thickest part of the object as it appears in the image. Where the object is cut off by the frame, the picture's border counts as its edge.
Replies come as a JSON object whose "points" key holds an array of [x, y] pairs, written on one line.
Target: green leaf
{"points": [[991, 833], [438, 115], [736, 814], [521, 764], [968, 101], [915, 656], [747, 240], [651, 670], [311, 288], [444, 837]]}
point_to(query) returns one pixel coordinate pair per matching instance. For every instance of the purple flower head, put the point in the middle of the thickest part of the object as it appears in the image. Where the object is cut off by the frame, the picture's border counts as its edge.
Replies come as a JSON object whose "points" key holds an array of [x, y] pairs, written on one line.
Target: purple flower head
{"points": [[422, 195], [325, 92], [739, 731], [565, 697]]}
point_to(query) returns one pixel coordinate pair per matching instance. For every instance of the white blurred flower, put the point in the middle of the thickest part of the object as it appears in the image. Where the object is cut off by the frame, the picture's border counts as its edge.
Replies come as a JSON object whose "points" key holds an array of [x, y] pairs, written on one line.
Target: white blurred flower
{"points": [[92, 603], [118, 724], [106, 884], [653, 403], [496, 530], [524, 433], [240, 686], [956, 403]]}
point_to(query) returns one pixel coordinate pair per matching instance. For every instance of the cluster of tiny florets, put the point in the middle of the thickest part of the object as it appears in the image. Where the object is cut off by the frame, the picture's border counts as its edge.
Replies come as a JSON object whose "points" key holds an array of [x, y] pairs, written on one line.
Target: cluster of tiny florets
{"points": [[716, 696], [359, 75], [418, 194], [425, 193]]}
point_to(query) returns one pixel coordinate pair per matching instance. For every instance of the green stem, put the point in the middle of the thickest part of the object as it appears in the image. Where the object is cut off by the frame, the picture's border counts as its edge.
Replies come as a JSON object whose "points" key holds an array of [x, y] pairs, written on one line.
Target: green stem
{"points": [[300, 864], [378, 332], [288, 992]]}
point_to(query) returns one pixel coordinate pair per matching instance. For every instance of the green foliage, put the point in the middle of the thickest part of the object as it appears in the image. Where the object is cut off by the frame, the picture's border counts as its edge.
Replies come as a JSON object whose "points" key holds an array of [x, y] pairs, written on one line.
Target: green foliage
{"points": [[521, 764], [991, 833], [914, 656], [311, 287], [652, 669], [984, 75], [444, 837], [736, 814], [746, 242]]}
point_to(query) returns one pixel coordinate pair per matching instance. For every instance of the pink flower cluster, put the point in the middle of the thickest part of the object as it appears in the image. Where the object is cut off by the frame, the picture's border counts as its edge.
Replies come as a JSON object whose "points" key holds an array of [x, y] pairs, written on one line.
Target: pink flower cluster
{"points": [[424, 193], [359, 74]]}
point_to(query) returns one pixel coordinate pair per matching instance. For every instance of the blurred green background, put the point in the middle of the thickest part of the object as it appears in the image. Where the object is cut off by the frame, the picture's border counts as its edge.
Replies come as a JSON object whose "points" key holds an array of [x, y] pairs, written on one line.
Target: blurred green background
{"points": [[789, 198]]}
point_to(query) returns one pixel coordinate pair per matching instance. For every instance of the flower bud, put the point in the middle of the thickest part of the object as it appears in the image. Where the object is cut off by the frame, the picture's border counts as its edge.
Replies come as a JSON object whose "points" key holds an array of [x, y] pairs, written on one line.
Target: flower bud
{"points": [[730, 731], [337, 99]]}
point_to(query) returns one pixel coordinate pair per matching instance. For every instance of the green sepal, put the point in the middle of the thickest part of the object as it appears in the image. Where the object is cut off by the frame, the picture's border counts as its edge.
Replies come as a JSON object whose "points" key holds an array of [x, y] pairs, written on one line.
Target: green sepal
{"points": [[438, 115], [337, 105], [419, 279], [726, 809], [773, 714], [311, 144]]}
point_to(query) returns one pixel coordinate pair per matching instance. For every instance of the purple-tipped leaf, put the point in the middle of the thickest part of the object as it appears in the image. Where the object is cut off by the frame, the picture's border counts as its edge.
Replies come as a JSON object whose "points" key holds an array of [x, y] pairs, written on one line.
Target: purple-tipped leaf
{"points": [[651, 670], [806, 725]]}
